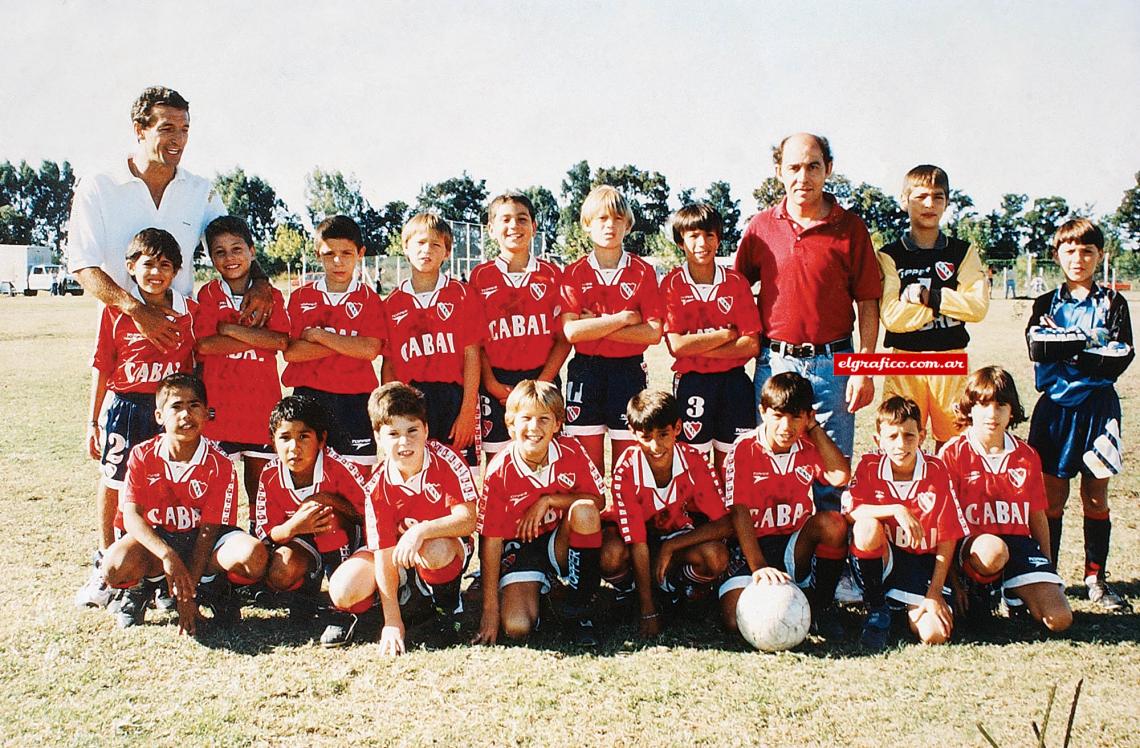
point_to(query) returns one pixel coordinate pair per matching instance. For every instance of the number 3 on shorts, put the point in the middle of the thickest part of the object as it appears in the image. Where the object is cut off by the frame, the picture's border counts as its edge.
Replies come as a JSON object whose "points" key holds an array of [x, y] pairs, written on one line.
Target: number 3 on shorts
{"points": [[696, 407]]}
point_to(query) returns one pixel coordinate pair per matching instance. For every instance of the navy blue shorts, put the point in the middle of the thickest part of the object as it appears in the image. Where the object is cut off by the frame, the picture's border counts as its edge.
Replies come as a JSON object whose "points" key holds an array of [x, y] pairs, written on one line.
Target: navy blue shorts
{"points": [[598, 389], [130, 421], [1082, 438], [444, 400], [906, 577], [326, 562], [492, 428], [530, 562], [715, 408], [1027, 564], [779, 553], [183, 542], [350, 430]]}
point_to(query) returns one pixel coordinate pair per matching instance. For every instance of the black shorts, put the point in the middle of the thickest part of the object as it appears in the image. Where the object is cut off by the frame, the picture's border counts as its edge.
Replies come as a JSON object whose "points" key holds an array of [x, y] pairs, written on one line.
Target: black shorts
{"points": [[598, 389], [444, 400], [130, 421], [492, 427], [906, 577], [715, 408], [247, 449], [326, 562], [779, 553], [183, 542], [413, 583], [1027, 564], [1083, 438], [530, 562], [350, 430]]}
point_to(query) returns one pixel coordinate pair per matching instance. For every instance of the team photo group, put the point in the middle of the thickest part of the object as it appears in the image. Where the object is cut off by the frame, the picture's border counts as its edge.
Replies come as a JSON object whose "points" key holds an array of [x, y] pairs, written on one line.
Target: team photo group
{"points": [[463, 419]]}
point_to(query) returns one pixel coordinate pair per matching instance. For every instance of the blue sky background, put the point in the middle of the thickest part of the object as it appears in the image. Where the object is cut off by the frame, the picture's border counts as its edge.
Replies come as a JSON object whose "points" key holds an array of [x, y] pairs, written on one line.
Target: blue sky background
{"points": [[1035, 97]]}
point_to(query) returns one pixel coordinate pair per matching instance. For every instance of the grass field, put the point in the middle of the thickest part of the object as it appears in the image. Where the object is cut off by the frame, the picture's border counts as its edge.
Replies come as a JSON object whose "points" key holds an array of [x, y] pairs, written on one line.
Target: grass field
{"points": [[72, 677]]}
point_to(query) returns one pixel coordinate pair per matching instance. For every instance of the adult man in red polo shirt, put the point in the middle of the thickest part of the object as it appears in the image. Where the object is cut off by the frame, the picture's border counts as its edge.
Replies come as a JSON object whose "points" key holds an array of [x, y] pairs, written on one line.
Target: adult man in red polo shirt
{"points": [[818, 276]]}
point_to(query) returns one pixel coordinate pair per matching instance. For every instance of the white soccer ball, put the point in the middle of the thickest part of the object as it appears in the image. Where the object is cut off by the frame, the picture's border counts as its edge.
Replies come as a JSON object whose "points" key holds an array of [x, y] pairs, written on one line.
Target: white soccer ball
{"points": [[773, 617]]}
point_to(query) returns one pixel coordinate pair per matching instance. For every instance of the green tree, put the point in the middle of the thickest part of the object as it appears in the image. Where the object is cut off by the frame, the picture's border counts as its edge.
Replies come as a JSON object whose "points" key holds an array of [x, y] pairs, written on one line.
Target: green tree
{"points": [[719, 195], [769, 193], [38, 202], [547, 214], [15, 227], [457, 199], [1127, 215], [1041, 221], [958, 207], [978, 231], [575, 186], [881, 212], [330, 193], [287, 245], [250, 198], [1007, 227]]}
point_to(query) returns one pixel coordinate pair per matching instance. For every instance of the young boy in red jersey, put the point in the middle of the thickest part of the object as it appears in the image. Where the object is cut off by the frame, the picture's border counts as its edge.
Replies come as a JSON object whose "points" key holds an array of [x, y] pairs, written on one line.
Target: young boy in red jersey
{"points": [[906, 526], [780, 537], [129, 366], [667, 520], [239, 362], [997, 479], [538, 519], [179, 506], [420, 515], [310, 503], [521, 297], [611, 312], [337, 327], [712, 328], [1076, 423], [435, 326]]}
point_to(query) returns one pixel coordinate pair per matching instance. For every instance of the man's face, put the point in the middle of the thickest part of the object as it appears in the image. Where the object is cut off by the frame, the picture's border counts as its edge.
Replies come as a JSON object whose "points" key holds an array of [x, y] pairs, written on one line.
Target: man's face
{"points": [[925, 206], [164, 141], [802, 171]]}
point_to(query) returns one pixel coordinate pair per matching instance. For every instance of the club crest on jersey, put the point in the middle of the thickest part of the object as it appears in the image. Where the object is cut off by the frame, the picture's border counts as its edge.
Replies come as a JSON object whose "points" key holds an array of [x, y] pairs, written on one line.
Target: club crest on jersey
{"points": [[432, 490], [572, 412], [445, 308], [626, 290], [724, 304], [487, 425], [197, 488], [398, 317], [567, 479], [803, 473], [488, 291], [692, 428], [925, 500], [538, 290], [1017, 477], [353, 308], [308, 306], [944, 269]]}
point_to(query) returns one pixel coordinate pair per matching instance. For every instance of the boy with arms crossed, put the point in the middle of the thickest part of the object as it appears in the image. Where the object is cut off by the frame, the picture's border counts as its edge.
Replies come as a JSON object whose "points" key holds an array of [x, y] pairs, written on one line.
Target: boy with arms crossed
{"points": [[712, 328], [179, 505], [521, 302], [336, 326], [129, 366], [932, 285], [419, 518], [997, 479], [239, 362], [611, 312], [538, 518], [780, 536], [667, 519], [435, 326], [906, 526], [1080, 342]]}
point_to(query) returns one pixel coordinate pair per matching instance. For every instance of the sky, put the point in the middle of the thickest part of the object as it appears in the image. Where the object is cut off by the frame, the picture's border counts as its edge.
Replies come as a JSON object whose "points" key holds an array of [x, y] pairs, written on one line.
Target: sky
{"points": [[1032, 97]]}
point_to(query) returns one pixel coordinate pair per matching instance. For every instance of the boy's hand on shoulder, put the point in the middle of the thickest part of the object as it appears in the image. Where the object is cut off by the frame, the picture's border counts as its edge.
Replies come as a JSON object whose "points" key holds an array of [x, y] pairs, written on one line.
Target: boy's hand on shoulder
{"points": [[158, 323], [392, 641]]}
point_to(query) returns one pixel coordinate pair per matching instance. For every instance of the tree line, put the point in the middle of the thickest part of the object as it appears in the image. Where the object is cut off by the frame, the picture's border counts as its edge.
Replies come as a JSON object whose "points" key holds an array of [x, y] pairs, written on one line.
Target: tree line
{"points": [[34, 206]]}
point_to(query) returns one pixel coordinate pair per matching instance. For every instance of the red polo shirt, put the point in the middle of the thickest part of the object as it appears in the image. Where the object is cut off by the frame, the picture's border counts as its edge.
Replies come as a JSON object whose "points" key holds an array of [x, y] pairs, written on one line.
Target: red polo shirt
{"points": [[809, 278]]}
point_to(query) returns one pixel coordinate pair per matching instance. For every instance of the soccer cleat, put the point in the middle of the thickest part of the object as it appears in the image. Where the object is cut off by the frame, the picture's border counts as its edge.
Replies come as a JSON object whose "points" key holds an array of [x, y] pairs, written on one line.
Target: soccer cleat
{"points": [[163, 600], [132, 604], [1102, 595], [94, 593], [847, 591], [581, 632], [876, 629], [825, 624], [340, 631], [218, 596]]}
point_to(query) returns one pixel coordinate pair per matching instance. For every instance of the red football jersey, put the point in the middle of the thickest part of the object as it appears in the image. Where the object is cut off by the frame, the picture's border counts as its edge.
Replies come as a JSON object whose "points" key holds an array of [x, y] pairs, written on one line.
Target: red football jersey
{"points": [[510, 487], [243, 387], [996, 492], [692, 307], [521, 311], [358, 312], [631, 286], [131, 362], [395, 504], [278, 500], [181, 496], [929, 497], [775, 487], [428, 332], [639, 503]]}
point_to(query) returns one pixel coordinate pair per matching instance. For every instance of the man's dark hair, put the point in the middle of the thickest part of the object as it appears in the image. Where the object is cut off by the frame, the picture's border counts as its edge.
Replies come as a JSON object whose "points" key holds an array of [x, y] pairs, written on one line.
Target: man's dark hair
{"points": [[787, 392], [300, 408], [228, 225], [338, 227], [154, 242], [179, 381], [142, 112]]}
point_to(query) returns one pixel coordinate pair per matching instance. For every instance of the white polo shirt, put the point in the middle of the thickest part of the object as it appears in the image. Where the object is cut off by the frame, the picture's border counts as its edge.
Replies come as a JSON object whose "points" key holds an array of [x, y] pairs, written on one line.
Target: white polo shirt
{"points": [[111, 207]]}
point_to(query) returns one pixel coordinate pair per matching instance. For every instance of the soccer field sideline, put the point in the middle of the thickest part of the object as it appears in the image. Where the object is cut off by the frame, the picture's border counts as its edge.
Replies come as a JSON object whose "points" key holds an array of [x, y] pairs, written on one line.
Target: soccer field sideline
{"points": [[72, 677]]}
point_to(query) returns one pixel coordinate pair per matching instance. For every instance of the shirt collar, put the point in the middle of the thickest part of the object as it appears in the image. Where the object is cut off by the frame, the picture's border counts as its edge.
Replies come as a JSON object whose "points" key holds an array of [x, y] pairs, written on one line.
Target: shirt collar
{"points": [[553, 452], [680, 466], [318, 476], [503, 265], [415, 484], [623, 261], [177, 300], [910, 246], [837, 210], [440, 282], [718, 276], [1064, 294], [887, 473], [122, 172], [322, 285], [196, 459]]}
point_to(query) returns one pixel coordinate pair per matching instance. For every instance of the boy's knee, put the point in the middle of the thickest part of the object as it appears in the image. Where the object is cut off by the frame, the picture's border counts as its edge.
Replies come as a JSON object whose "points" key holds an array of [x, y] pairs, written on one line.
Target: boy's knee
{"points": [[989, 554], [614, 558], [584, 517], [285, 575], [1058, 620], [517, 626], [867, 534], [935, 635], [714, 557], [832, 529], [438, 552]]}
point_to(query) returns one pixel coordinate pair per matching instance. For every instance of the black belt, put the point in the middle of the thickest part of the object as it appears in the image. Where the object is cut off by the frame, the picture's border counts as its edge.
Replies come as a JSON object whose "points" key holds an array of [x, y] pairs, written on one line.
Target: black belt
{"points": [[807, 350]]}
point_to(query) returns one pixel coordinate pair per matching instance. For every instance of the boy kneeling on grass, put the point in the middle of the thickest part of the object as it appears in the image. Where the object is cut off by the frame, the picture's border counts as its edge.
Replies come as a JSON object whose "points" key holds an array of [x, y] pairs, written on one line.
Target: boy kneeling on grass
{"points": [[179, 505], [419, 518]]}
